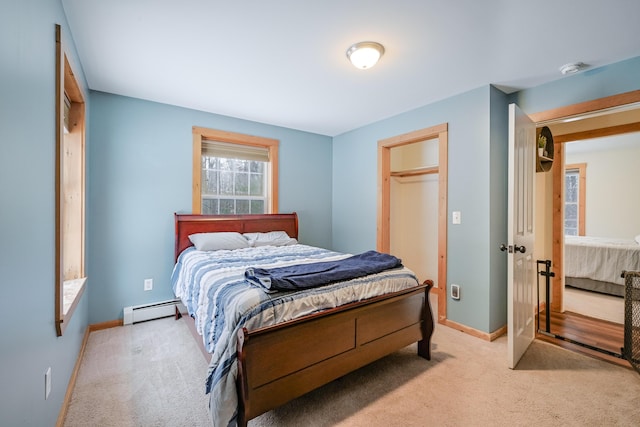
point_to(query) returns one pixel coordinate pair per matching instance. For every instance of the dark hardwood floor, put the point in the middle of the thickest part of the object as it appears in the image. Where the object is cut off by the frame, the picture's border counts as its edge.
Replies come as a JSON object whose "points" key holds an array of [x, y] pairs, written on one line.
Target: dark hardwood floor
{"points": [[598, 333]]}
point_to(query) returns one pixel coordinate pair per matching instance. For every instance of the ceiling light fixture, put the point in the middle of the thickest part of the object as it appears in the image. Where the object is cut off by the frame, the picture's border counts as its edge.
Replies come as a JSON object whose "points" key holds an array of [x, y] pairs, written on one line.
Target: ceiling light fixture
{"points": [[572, 68], [365, 55]]}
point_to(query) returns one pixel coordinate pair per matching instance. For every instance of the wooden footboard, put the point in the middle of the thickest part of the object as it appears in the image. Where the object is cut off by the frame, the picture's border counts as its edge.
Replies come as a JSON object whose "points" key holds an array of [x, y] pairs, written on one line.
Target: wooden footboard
{"points": [[280, 363]]}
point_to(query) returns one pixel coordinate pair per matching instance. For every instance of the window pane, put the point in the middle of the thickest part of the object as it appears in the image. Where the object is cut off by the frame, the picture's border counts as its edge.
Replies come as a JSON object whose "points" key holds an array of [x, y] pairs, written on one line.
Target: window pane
{"points": [[242, 165], [257, 185], [257, 167], [226, 183], [571, 189], [209, 182], [242, 206], [225, 164], [242, 184], [210, 206], [257, 207], [227, 206], [209, 162], [572, 196]]}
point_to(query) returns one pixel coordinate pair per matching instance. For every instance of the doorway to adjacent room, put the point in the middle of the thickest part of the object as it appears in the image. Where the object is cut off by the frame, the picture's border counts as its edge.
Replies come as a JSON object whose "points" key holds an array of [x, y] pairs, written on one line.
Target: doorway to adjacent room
{"points": [[571, 309]]}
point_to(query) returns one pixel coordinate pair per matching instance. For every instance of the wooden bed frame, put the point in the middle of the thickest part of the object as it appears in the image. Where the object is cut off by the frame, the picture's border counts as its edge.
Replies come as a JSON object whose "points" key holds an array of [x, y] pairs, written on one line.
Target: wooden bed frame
{"points": [[279, 363]]}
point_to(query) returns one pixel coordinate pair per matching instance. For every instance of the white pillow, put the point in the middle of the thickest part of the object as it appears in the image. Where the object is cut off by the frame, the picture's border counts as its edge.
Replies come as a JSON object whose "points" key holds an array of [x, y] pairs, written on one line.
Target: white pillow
{"points": [[638, 239], [217, 241], [272, 238]]}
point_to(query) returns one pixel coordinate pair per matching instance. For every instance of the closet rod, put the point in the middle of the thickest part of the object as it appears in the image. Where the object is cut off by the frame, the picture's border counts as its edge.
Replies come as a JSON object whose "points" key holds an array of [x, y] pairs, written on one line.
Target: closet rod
{"points": [[417, 171]]}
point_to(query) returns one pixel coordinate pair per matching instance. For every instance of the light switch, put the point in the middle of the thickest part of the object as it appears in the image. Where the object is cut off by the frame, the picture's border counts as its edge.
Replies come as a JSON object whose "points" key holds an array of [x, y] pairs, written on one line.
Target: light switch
{"points": [[455, 217]]}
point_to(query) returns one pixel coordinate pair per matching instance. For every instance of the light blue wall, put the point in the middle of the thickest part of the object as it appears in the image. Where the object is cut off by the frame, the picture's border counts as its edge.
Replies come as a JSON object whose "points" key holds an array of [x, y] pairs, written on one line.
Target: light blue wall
{"points": [[27, 210], [140, 173]]}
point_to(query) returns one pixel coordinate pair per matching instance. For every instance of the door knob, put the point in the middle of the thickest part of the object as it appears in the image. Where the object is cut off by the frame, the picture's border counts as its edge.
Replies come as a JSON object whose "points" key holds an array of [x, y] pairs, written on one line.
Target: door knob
{"points": [[512, 249]]}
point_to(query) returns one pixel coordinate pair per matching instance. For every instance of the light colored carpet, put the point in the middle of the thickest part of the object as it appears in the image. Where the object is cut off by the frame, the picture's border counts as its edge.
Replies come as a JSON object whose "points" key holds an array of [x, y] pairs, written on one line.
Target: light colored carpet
{"points": [[151, 374], [147, 374]]}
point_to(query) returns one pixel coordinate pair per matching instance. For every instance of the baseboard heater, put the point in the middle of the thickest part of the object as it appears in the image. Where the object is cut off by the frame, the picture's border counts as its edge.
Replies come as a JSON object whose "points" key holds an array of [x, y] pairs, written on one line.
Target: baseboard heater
{"points": [[142, 313]]}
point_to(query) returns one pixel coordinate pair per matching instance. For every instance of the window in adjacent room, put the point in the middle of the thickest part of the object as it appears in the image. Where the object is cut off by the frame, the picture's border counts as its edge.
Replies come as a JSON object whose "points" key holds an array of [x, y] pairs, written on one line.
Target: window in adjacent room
{"points": [[70, 190], [574, 199], [234, 173]]}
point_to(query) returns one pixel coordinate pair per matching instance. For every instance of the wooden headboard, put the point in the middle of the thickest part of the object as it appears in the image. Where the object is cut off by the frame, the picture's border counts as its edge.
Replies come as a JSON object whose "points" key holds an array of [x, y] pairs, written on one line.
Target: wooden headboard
{"points": [[187, 224]]}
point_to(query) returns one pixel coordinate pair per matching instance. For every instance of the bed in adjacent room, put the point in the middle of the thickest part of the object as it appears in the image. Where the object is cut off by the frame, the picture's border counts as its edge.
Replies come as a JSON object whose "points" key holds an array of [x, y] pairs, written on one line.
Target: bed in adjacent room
{"points": [[279, 318], [596, 263]]}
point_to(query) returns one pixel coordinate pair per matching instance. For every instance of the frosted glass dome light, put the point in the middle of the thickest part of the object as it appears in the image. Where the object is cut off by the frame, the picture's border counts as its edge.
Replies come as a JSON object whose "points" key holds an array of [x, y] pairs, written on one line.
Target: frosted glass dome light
{"points": [[365, 55]]}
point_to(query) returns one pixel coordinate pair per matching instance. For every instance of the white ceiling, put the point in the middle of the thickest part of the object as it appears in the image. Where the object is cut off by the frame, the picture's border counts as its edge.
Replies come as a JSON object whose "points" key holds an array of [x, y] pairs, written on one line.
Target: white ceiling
{"points": [[283, 62]]}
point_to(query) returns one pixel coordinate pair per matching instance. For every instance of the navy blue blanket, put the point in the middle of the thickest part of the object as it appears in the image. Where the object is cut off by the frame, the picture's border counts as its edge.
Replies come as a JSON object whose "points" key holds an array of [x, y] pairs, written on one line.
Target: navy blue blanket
{"points": [[304, 276]]}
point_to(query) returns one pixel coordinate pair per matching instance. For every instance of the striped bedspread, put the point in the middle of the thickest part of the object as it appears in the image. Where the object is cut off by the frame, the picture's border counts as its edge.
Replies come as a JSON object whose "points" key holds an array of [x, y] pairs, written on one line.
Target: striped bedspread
{"points": [[213, 288]]}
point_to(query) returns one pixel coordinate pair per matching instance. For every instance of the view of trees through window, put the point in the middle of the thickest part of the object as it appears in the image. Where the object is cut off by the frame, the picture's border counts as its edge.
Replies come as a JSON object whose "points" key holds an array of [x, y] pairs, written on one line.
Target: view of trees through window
{"points": [[233, 186], [571, 200], [233, 173]]}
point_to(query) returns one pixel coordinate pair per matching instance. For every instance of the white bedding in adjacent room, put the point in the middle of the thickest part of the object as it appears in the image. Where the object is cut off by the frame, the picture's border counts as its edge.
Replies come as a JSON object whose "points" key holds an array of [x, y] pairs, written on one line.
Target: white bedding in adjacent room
{"points": [[602, 259]]}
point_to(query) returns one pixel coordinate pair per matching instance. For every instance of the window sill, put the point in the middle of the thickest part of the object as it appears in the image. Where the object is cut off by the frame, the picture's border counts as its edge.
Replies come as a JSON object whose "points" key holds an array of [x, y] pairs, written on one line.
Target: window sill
{"points": [[72, 291]]}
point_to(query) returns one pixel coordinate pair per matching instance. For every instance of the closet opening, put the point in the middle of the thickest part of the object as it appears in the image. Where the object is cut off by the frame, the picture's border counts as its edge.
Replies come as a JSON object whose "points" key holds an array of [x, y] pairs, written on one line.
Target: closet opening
{"points": [[412, 204]]}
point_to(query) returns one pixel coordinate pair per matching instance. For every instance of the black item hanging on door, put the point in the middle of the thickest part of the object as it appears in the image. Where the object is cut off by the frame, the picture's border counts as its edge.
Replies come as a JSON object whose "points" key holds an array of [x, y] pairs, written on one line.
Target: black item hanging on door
{"points": [[631, 350]]}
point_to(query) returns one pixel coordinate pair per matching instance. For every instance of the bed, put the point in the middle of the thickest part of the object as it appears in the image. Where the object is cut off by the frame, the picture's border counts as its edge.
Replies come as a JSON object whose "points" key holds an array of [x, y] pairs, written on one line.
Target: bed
{"points": [[266, 360], [596, 263]]}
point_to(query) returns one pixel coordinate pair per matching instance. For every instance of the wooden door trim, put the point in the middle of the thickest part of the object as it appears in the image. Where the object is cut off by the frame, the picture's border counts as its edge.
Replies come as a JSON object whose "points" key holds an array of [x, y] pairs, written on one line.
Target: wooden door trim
{"points": [[592, 106], [384, 198], [557, 261]]}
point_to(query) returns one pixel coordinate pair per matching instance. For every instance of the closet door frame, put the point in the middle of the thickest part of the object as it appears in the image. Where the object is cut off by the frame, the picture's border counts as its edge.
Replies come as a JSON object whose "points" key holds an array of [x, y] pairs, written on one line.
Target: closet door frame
{"points": [[383, 241]]}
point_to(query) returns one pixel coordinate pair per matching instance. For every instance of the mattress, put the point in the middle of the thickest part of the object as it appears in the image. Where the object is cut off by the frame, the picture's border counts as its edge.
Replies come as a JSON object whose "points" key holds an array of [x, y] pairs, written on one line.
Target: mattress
{"points": [[596, 263]]}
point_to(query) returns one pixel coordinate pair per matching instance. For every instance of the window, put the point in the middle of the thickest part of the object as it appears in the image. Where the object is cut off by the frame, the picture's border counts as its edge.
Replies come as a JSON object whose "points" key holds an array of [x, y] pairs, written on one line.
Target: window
{"points": [[234, 173], [574, 199], [70, 190]]}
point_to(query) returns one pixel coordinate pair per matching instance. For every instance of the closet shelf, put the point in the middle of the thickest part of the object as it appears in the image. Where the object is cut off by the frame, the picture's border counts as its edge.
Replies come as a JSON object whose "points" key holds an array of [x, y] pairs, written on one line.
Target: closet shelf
{"points": [[415, 171]]}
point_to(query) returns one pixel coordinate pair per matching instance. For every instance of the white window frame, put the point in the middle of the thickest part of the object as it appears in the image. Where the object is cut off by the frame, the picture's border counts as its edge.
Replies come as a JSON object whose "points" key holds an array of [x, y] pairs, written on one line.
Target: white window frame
{"points": [[264, 198]]}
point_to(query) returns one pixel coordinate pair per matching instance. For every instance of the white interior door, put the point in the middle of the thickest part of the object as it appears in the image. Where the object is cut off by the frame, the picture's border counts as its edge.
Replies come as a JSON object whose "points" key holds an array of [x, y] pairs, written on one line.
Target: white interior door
{"points": [[521, 265]]}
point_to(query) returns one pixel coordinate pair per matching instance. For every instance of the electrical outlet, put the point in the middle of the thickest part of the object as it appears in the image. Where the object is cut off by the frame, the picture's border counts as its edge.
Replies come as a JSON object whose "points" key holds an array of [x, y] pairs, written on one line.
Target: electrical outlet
{"points": [[47, 383], [148, 284], [455, 292]]}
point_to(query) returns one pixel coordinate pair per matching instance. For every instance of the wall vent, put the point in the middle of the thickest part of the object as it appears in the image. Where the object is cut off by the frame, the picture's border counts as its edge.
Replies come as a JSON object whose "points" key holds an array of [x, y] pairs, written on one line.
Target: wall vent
{"points": [[142, 313]]}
